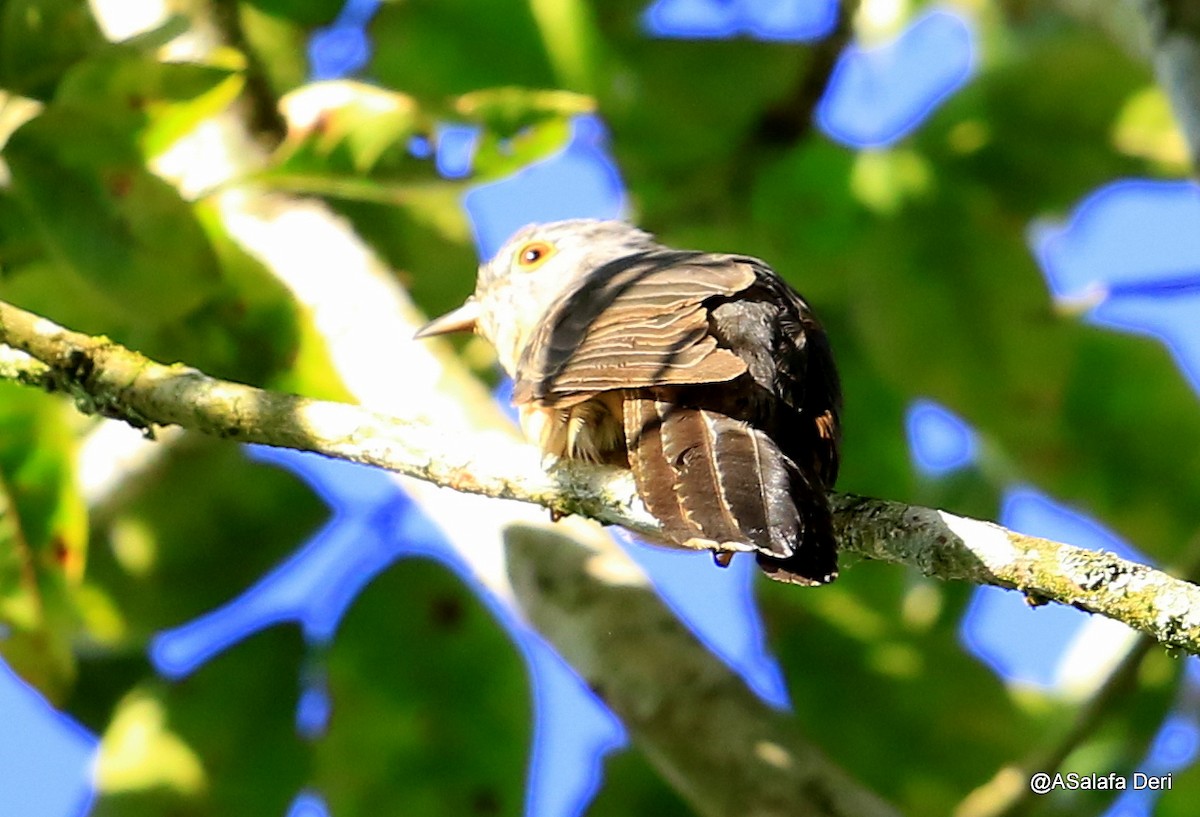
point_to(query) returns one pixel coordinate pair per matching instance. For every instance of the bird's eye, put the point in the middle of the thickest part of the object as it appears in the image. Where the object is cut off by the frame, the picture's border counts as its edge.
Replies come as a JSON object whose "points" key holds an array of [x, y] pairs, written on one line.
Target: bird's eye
{"points": [[533, 254]]}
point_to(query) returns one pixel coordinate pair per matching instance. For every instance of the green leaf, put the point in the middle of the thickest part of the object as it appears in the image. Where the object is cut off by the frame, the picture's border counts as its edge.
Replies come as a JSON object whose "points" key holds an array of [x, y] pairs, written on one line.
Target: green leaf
{"points": [[254, 331], [496, 158], [865, 679], [135, 93], [106, 221], [1036, 132], [40, 40], [349, 125], [684, 114], [200, 529], [204, 529], [279, 44], [43, 536], [432, 709], [434, 49], [507, 111], [221, 741], [18, 247], [301, 12], [1181, 800]]}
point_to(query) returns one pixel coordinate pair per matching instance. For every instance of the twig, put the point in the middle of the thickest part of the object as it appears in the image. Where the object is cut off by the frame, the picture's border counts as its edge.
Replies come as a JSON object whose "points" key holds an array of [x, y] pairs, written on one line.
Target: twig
{"points": [[264, 119], [23, 369], [791, 120], [1008, 793], [108, 379]]}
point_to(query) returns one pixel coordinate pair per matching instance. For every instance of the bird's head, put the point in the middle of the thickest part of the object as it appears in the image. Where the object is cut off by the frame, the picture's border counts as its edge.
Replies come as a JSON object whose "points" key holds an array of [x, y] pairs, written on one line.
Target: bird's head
{"points": [[535, 266]]}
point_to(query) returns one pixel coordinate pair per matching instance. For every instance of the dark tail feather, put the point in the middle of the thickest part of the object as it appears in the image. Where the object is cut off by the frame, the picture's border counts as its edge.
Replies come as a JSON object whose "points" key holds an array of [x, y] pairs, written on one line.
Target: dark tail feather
{"points": [[814, 561], [711, 478], [716, 475], [655, 479]]}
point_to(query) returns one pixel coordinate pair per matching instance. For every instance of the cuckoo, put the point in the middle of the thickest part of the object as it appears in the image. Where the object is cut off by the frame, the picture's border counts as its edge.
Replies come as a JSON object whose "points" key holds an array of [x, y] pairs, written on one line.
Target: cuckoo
{"points": [[704, 373]]}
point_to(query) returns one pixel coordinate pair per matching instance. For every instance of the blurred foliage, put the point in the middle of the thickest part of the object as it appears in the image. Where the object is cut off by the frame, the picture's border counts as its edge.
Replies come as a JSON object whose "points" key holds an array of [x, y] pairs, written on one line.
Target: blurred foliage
{"points": [[916, 257], [43, 536], [433, 712]]}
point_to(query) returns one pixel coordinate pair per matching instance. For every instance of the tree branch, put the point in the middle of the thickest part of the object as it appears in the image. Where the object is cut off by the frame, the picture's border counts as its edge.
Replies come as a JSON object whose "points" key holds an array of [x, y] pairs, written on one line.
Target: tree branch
{"points": [[791, 120], [264, 119], [108, 379], [728, 753], [28, 371]]}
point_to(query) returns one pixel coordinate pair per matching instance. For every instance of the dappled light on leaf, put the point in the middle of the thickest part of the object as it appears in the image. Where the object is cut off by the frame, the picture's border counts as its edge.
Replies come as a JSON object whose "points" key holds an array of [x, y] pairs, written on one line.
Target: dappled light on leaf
{"points": [[139, 752]]}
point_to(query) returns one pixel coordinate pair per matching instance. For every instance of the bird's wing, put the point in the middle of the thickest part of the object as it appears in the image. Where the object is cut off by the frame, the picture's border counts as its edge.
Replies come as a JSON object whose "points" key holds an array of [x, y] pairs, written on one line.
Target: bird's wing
{"points": [[794, 363], [637, 322]]}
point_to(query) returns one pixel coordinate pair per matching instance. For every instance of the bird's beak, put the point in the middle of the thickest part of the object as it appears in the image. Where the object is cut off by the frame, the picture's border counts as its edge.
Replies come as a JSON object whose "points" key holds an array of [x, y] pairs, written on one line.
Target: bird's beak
{"points": [[460, 320]]}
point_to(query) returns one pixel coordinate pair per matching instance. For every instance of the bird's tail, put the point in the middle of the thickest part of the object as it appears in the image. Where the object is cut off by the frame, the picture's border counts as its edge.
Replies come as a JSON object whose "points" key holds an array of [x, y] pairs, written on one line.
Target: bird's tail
{"points": [[814, 561], [716, 482]]}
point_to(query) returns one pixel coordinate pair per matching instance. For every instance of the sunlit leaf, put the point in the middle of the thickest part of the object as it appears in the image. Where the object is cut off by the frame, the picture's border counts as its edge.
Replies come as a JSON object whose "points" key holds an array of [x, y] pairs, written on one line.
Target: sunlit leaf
{"points": [[359, 120], [160, 101], [107, 221], [505, 111], [166, 753]]}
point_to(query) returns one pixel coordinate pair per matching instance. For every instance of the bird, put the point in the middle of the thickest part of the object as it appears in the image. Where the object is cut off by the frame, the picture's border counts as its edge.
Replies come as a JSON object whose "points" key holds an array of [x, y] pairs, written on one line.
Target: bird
{"points": [[705, 374]]}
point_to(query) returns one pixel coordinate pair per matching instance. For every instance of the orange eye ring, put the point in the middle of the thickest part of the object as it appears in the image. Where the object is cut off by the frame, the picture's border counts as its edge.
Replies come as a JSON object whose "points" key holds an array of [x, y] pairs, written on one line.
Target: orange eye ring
{"points": [[532, 254]]}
